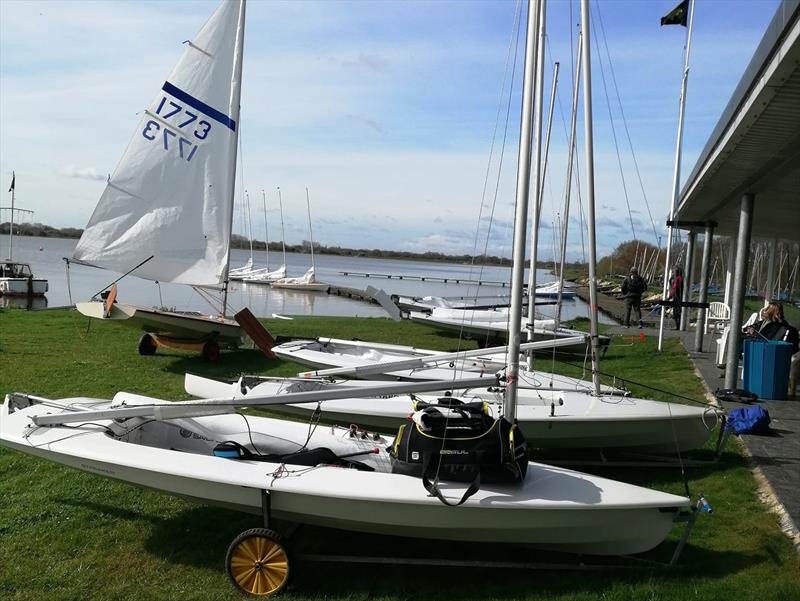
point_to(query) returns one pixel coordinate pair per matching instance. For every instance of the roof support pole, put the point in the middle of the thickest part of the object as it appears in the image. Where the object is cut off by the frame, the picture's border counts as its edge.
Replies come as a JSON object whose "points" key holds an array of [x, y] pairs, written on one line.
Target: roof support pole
{"points": [[737, 294], [687, 276], [700, 328], [770, 287]]}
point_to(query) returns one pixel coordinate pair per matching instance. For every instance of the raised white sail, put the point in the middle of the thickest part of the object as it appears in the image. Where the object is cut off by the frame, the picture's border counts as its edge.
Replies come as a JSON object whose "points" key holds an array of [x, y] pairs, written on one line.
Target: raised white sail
{"points": [[171, 195]]}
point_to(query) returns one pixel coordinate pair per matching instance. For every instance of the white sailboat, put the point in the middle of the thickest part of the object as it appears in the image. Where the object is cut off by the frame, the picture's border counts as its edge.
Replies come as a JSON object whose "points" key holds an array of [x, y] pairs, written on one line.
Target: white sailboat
{"points": [[308, 281], [549, 418], [348, 358], [493, 324], [16, 279], [166, 213], [553, 289], [198, 449], [266, 274]]}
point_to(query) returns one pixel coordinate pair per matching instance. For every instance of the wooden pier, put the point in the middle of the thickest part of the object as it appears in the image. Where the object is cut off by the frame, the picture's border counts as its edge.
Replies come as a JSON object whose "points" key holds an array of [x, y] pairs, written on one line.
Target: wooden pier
{"points": [[354, 293], [609, 305], [425, 278]]}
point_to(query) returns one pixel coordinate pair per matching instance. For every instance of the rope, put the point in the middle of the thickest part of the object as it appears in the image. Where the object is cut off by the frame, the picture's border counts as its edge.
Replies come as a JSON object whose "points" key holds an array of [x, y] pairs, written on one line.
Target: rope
{"points": [[627, 131]]}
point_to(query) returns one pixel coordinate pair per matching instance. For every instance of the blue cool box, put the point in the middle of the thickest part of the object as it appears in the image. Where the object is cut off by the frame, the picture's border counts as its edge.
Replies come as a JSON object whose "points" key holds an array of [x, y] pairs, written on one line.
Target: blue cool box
{"points": [[766, 368]]}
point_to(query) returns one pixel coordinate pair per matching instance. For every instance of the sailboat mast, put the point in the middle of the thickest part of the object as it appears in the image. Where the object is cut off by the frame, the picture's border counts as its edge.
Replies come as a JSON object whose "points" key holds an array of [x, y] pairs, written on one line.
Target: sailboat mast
{"points": [[235, 103], [283, 231], [249, 224], [537, 163], [266, 230], [521, 214], [676, 173], [587, 123], [539, 196], [310, 232], [568, 190]]}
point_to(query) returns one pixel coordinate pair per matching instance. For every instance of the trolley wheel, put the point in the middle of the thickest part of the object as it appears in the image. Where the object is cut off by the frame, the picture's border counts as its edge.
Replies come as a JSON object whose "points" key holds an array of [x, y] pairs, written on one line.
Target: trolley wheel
{"points": [[147, 345], [257, 563], [210, 351]]}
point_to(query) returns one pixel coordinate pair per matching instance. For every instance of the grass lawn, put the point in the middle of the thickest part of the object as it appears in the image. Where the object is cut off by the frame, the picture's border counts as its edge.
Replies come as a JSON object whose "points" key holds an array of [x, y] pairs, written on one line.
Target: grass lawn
{"points": [[65, 534]]}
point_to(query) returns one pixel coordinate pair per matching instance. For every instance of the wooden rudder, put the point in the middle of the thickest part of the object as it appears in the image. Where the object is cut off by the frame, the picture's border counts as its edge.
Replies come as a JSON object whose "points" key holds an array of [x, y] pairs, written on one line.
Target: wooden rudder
{"points": [[262, 338]]}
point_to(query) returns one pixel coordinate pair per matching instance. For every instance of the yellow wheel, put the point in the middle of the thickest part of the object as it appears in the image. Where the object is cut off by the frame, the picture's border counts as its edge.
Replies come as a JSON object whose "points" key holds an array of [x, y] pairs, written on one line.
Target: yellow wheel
{"points": [[257, 563]]}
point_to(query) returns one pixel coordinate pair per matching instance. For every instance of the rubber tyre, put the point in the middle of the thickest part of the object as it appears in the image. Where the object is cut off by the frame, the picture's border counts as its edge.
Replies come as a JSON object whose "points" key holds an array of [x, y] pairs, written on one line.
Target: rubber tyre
{"points": [[211, 351], [147, 345], [257, 563]]}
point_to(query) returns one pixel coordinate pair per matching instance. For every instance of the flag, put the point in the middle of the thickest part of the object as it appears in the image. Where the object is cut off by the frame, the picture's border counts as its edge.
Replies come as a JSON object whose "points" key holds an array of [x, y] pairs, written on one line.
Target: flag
{"points": [[678, 15], [13, 179]]}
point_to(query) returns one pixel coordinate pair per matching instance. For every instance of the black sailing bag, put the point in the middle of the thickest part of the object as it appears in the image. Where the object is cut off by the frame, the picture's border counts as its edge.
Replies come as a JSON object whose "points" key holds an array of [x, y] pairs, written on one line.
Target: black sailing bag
{"points": [[457, 441]]}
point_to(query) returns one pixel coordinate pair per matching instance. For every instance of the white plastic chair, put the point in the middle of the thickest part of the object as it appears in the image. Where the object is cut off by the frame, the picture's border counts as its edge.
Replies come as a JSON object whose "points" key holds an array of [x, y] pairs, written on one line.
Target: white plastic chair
{"points": [[719, 314]]}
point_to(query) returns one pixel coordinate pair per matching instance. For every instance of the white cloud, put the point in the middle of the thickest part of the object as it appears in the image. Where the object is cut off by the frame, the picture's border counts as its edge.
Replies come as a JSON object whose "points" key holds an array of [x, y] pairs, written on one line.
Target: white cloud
{"points": [[82, 173]]}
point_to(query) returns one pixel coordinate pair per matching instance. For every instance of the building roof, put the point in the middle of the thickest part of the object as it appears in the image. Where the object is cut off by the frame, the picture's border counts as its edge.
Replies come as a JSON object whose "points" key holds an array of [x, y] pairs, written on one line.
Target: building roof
{"points": [[755, 146]]}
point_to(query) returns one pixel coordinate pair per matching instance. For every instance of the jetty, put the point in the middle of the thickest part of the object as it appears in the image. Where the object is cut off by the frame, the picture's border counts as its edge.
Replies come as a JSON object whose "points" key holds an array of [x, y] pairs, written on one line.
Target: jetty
{"points": [[425, 278], [611, 306]]}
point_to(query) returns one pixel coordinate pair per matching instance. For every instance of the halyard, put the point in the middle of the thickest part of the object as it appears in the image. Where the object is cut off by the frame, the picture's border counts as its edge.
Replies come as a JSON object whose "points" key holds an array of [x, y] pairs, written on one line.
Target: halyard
{"points": [[66, 534]]}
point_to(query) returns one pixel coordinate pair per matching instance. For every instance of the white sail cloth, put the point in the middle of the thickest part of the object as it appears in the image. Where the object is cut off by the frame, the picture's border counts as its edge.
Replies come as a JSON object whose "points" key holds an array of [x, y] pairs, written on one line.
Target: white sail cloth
{"points": [[171, 195]]}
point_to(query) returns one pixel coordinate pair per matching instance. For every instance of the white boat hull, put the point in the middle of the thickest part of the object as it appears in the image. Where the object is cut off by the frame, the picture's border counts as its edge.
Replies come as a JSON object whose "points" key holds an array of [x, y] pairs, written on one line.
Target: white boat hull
{"points": [[553, 508], [325, 353], [498, 329], [23, 287], [549, 420], [183, 326]]}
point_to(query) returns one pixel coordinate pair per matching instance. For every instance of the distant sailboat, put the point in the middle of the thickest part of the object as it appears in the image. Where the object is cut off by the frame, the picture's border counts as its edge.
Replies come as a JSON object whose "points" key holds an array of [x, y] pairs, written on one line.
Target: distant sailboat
{"points": [[308, 282], [168, 209], [266, 275], [16, 279]]}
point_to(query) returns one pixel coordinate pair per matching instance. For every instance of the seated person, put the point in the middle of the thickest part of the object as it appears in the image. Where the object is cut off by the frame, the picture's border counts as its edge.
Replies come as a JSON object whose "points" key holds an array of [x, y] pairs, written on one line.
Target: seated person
{"points": [[772, 326]]}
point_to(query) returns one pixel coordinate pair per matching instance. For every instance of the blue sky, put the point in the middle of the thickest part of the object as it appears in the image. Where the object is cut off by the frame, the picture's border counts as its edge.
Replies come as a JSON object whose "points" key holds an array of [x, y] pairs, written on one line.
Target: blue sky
{"points": [[385, 110]]}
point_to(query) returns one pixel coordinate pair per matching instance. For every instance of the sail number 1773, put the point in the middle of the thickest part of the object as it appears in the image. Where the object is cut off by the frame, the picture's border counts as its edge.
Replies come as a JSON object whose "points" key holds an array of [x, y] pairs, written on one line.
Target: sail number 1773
{"points": [[185, 121]]}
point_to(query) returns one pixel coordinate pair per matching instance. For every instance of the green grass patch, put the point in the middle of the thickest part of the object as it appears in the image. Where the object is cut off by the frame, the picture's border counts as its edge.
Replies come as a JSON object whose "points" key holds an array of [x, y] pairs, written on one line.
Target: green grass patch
{"points": [[65, 534]]}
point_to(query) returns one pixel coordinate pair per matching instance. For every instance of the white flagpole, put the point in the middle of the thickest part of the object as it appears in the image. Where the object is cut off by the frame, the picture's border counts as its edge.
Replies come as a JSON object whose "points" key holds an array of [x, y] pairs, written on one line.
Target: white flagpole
{"points": [[676, 174], [11, 222]]}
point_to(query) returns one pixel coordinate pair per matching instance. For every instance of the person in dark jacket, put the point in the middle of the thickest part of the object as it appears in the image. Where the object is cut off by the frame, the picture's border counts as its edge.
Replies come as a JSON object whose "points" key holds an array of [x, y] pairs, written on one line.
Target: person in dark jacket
{"points": [[773, 326], [633, 286], [676, 294]]}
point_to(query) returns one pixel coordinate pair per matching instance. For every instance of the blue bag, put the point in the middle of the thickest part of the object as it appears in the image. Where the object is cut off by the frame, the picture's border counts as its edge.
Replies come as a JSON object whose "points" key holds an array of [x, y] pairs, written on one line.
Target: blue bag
{"points": [[749, 420]]}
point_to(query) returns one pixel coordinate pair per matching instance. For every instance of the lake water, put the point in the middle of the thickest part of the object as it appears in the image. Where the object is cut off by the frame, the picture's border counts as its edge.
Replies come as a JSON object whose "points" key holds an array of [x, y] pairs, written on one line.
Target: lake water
{"points": [[45, 256]]}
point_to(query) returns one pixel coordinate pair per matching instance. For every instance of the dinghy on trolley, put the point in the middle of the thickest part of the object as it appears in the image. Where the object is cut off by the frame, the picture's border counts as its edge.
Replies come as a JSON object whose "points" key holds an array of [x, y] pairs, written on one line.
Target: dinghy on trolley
{"points": [[167, 211], [557, 419]]}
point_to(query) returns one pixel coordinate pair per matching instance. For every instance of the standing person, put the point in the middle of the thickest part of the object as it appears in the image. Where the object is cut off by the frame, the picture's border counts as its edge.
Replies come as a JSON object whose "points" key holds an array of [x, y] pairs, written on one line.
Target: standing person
{"points": [[633, 286], [676, 294]]}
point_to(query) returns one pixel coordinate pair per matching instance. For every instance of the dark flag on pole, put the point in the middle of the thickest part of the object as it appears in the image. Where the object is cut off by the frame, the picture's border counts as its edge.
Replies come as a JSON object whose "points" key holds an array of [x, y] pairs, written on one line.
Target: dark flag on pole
{"points": [[13, 179], [678, 15]]}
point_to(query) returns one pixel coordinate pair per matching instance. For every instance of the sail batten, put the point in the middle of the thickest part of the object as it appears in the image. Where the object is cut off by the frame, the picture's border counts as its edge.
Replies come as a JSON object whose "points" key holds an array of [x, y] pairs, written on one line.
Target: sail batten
{"points": [[172, 192]]}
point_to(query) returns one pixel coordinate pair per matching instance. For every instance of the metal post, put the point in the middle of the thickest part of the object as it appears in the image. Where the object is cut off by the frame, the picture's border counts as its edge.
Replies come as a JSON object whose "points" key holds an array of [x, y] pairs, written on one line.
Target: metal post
{"points": [[737, 294], [590, 214], [770, 287], [699, 329], [687, 277]]}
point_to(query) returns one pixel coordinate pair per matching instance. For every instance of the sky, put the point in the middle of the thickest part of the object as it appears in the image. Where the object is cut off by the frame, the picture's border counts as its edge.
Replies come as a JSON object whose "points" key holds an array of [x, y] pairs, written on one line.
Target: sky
{"points": [[393, 114]]}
